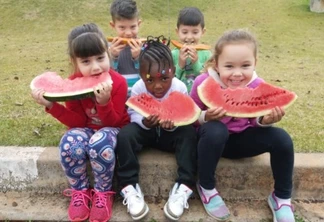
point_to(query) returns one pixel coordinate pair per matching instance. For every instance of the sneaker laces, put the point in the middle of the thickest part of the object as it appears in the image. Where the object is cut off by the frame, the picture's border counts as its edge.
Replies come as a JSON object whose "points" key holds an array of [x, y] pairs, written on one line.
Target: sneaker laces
{"points": [[100, 198], [78, 196], [131, 196], [180, 196]]}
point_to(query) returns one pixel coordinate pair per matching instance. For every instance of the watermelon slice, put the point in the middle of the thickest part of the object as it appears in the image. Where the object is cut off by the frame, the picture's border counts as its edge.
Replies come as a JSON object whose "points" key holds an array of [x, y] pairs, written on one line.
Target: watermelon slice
{"points": [[178, 107], [58, 89], [245, 102]]}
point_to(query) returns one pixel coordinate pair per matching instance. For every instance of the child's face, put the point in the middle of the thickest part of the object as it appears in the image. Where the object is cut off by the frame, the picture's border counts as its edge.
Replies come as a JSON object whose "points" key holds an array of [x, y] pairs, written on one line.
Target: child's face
{"points": [[157, 83], [190, 34], [236, 64], [93, 65], [126, 28]]}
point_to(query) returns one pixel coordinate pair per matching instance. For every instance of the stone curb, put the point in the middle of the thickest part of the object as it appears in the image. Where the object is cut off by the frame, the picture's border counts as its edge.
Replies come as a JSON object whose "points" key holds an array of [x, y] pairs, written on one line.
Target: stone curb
{"points": [[37, 169]]}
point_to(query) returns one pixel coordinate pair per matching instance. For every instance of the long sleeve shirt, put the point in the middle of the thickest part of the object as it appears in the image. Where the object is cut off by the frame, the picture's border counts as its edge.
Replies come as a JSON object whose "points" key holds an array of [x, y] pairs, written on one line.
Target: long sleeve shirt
{"points": [[88, 113], [188, 73]]}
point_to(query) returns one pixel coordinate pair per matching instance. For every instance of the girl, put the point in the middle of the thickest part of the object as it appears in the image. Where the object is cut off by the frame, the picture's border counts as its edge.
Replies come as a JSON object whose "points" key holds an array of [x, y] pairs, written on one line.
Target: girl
{"points": [[157, 79], [233, 65], [93, 126]]}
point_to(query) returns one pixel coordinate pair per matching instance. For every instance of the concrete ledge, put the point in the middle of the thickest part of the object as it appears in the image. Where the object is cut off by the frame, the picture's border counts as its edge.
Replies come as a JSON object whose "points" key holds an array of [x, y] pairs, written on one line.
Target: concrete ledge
{"points": [[37, 169]]}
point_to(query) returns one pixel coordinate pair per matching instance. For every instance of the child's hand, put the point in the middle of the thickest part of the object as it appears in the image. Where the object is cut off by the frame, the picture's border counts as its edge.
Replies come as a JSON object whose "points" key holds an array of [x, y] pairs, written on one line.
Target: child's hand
{"points": [[167, 124], [275, 116], [192, 54], [102, 92], [214, 114], [136, 47], [37, 95], [151, 121], [116, 47], [187, 52], [183, 55]]}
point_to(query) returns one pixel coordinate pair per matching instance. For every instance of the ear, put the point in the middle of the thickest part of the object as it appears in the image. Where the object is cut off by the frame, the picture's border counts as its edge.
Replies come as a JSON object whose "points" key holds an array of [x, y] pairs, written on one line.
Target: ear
{"points": [[139, 22], [203, 31], [112, 24], [177, 31]]}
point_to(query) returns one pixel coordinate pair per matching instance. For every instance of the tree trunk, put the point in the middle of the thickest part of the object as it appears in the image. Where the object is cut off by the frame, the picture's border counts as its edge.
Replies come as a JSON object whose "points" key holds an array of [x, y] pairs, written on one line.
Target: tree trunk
{"points": [[316, 5]]}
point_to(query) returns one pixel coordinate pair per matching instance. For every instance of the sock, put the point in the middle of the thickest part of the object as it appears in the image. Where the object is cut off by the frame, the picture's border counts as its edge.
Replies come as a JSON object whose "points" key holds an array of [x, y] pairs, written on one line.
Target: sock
{"points": [[208, 193], [283, 201]]}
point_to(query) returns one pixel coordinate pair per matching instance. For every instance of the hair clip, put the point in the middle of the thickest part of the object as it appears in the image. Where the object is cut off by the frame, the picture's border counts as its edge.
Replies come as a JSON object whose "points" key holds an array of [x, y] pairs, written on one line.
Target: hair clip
{"points": [[148, 76], [163, 72], [158, 74]]}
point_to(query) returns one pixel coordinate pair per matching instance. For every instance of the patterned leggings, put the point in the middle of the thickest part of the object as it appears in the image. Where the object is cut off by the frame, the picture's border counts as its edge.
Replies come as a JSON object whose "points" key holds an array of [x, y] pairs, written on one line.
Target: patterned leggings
{"points": [[80, 144]]}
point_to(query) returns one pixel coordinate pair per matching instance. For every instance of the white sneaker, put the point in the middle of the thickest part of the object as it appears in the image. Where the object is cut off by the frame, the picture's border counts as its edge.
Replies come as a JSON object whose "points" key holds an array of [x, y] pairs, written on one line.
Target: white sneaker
{"points": [[134, 199], [177, 202]]}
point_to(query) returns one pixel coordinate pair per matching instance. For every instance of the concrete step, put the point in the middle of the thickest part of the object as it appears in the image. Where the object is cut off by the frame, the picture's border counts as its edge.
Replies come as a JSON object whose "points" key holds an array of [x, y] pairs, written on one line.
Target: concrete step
{"points": [[38, 169], [24, 206]]}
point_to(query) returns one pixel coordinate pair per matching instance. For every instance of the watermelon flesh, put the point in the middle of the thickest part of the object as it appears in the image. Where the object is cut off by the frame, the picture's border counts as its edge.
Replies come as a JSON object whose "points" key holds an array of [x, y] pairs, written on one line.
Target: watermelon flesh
{"points": [[58, 89], [245, 102], [178, 107]]}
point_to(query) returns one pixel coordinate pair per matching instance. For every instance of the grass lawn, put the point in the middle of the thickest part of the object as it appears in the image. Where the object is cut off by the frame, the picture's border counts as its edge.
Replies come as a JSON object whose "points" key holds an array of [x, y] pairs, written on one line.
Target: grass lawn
{"points": [[33, 40]]}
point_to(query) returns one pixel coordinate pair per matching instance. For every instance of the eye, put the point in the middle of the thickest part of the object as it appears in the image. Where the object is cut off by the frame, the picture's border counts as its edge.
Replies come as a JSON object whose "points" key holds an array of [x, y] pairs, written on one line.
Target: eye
{"points": [[164, 79], [85, 61], [246, 65], [228, 66], [101, 57], [149, 80]]}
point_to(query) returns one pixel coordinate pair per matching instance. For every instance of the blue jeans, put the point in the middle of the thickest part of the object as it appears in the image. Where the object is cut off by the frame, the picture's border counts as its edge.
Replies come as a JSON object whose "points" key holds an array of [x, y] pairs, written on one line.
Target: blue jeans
{"points": [[214, 142], [81, 144]]}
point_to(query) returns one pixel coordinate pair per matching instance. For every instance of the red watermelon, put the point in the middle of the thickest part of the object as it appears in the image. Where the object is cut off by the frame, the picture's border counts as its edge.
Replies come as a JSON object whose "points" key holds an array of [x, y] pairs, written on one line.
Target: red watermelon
{"points": [[59, 89], [245, 102], [178, 107]]}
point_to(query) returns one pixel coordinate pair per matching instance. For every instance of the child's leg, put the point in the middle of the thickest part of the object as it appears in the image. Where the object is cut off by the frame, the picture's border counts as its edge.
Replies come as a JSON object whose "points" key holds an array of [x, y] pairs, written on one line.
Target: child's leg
{"points": [[102, 157], [212, 137], [131, 139], [183, 141], [73, 146], [276, 141]]}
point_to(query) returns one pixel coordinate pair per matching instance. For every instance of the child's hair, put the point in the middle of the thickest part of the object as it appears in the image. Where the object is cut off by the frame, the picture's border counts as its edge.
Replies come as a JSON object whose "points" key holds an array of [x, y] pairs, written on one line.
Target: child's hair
{"points": [[191, 16], [85, 41], [123, 9], [156, 50], [236, 36]]}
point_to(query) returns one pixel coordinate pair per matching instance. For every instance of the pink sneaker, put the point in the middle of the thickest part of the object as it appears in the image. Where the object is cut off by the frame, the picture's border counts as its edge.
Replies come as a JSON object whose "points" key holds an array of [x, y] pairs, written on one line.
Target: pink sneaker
{"points": [[101, 209], [79, 205]]}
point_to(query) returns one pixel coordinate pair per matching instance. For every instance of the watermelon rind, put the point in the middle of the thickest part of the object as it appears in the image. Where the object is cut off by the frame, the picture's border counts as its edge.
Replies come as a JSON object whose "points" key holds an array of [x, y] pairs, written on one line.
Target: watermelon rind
{"points": [[196, 112], [240, 114], [66, 96]]}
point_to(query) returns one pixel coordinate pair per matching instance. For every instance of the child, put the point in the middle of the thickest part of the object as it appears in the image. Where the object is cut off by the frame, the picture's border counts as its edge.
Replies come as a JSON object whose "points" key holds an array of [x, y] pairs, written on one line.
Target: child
{"points": [[93, 126], [232, 65], [188, 61], [126, 22], [157, 79]]}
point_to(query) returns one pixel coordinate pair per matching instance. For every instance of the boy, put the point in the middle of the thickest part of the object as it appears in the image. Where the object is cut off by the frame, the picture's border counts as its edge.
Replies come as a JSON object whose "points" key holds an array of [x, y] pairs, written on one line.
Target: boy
{"points": [[126, 22], [157, 79], [188, 61]]}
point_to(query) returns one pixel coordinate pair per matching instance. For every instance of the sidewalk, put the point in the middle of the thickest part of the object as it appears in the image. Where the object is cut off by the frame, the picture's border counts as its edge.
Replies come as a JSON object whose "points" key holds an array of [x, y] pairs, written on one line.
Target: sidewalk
{"points": [[31, 180]]}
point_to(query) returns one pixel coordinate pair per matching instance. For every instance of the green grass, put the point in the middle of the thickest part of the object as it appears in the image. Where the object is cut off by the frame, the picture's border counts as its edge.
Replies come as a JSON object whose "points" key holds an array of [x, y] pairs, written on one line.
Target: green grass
{"points": [[33, 40]]}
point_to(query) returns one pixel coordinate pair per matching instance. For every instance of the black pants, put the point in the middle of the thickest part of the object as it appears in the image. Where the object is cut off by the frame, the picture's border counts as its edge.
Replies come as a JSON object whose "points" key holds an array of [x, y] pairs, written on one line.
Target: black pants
{"points": [[215, 142], [132, 138]]}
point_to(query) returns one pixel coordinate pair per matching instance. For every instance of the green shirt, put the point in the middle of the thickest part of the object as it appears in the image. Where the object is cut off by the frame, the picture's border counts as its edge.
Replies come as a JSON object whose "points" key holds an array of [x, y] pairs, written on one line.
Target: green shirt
{"points": [[190, 71]]}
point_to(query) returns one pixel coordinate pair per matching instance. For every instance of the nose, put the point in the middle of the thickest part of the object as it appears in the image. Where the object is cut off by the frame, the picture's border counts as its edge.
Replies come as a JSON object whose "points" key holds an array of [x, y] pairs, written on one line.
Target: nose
{"points": [[237, 72], [95, 67], [128, 32]]}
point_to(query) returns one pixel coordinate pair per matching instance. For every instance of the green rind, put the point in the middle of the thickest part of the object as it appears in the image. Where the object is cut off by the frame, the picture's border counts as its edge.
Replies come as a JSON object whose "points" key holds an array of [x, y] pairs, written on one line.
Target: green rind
{"points": [[62, 97]]}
